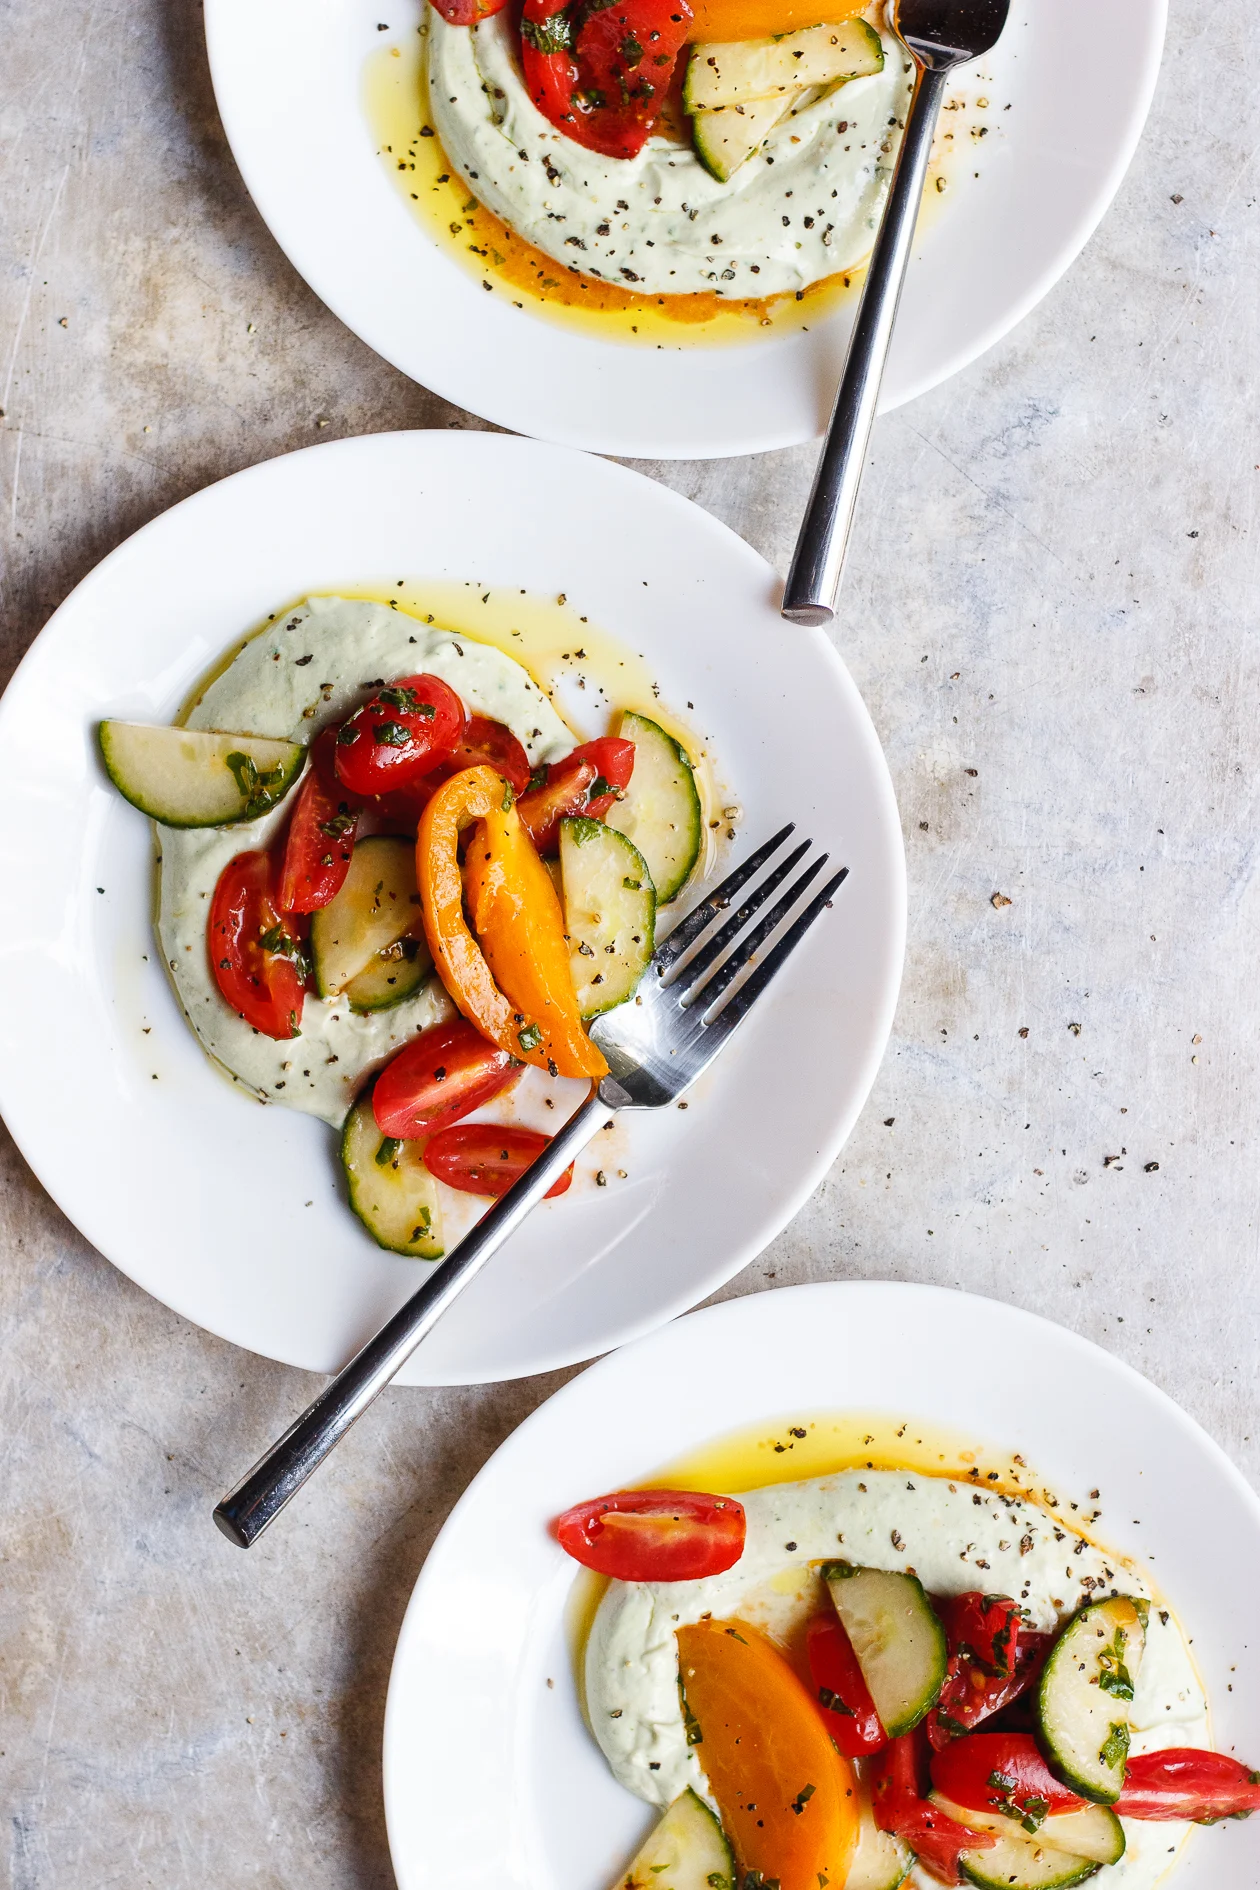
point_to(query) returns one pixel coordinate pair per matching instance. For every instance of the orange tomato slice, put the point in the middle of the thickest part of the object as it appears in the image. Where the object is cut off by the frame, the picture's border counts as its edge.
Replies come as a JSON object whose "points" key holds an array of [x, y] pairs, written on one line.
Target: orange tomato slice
{"points": [[788, 1799]]}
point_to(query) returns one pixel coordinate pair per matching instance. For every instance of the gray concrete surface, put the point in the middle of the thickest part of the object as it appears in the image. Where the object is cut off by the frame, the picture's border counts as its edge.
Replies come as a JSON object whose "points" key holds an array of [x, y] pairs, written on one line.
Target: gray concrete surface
{"points": [[1053, 587]]}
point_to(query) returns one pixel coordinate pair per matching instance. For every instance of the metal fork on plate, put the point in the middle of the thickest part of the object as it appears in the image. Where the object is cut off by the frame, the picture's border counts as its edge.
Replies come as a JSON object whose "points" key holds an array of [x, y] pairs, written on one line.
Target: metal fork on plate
{"points": [[656, 1046], [939, 35]]}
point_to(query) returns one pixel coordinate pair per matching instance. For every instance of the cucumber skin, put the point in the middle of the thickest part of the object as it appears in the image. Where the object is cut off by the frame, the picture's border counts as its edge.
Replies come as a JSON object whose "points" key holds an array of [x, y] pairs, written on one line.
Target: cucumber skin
{"points": [[974, 1873], [666, 889], [1084, 1788], [862, 28], [185, 826], [353, 1118]]}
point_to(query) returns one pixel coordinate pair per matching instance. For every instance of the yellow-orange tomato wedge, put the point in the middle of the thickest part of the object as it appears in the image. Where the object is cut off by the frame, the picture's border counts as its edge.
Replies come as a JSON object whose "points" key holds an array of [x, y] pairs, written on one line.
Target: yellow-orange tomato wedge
{"points": [[724, 20], [787, 1798], [517, 918]]}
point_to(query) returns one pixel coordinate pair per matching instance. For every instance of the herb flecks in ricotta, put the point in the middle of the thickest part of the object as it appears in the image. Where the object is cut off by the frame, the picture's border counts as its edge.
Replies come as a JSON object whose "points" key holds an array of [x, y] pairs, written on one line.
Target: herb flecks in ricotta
{"points": [[314, 666], [804, 207]]}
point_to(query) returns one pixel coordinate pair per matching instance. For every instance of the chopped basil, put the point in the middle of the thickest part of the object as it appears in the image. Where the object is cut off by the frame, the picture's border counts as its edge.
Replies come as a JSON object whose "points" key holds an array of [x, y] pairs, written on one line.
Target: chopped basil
{"points": [[1113, 1676], [802, 1799], [1115, 1747], [405, 699], [694, 1735], [552, 35], [391, 735], [385, 1154], [632, 885], [254, 787], [530, 1037], [630, 50], [538, 779], [347, 735], [508, 797], [834, 1704], [341, 822], [282, 944]]}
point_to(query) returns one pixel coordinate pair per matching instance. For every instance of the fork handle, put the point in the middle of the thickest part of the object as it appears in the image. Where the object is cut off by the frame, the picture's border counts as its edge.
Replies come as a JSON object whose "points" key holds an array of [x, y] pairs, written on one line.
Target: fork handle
{"points": [[814, 579], [260, 1496]]}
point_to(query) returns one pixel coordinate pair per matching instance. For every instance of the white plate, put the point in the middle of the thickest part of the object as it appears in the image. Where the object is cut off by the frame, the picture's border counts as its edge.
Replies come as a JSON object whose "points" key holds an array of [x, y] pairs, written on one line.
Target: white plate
{"points": [[288, 78], [492, 1781], [232, 1214]]}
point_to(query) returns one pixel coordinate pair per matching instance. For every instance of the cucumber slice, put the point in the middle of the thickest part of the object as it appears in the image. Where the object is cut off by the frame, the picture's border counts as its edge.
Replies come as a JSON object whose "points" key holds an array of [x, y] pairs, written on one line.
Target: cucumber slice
{"points": [[660, 810], [378, 904], [1017, 1861], [725, 138], [391, 1190], [1094, 1832], [686, 1851], [743, 70], [394, 974], [899, 1643], [881, 1861], [1084, 1694], [187, 777], [609, 913]]}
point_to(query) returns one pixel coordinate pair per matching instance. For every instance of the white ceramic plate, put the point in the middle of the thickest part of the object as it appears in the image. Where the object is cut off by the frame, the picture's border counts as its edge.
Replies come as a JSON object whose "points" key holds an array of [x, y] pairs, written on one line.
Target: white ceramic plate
{"points": [[288, 78], [492, 1781], [232, 1214]]}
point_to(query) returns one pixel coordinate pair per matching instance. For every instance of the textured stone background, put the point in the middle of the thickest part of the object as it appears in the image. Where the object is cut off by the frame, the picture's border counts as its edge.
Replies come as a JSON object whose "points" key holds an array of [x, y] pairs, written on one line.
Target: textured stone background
{"points": [[1052, 585]]}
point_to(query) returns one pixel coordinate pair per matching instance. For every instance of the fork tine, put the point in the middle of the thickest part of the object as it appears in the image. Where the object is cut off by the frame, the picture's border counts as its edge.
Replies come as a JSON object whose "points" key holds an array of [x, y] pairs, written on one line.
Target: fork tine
{"points": [[713, 948], [746, 950], [744, 999], [689, 929]]}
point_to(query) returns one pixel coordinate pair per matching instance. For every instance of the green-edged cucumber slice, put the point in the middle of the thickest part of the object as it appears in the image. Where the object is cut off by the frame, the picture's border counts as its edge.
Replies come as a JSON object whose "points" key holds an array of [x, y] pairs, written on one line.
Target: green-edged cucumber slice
{"points": [[725, 138], [393, 975], [187, 777], [899, 1643], [391, 1190], [609, 913], [378, 904], [1017, 1861], [687, 1850], [1094, 1832], [741, 71], [881, 1861], [1084, 1696], [660, 810]]}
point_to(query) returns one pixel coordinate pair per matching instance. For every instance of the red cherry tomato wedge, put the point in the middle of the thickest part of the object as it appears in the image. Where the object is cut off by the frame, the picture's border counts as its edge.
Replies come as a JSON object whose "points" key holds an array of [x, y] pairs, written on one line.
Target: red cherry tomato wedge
{"points": [[844, 1700], [485, 1158], [1001, 1772], [446, 1073], [491, 745], [976, 1626], [602, 73], [255, 958], [1186, 1783], [586, 782], [898, 1805], [467, 12], [405, 731], [320, 838], [654, 1535], [983, 1626]]}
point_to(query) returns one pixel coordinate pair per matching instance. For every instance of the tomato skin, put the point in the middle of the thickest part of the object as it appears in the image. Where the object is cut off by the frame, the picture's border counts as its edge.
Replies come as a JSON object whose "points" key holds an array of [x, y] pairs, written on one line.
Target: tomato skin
{"points": [[1184, 1782], [984, 1626], [492, 745], [974, 1625], [897, 1802], [320, 836], [844, 1700], [576, 60], [407, 730], [486, 1158], [445, 1073], [606, 764], [467, 12], [654, 1535], [967, 1769], [264, 987]]}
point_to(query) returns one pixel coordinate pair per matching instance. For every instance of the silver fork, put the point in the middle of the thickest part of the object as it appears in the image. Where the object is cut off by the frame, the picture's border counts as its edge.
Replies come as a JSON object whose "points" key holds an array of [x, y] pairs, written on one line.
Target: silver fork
{"points": [[656, 1047], [940, 34]]}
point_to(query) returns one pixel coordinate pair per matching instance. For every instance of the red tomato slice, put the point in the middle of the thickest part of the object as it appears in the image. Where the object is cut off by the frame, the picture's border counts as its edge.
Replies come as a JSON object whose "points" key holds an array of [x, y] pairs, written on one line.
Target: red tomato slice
{"points": [[586, 782], [492, 745], [602, 73], [255, 959], [615, 761], [654, 1535], [321, 834], [1186, 1783], [485, 1158], [984, 1626], [446, 1073], [405, 731], [898, 1806], [975, 1626], [847, 1708], [1001, 1772]]}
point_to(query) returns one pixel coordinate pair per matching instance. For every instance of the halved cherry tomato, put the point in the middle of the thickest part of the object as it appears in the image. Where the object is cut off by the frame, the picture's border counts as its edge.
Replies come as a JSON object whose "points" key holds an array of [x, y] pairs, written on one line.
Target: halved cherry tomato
{"points": [[256, 960], [485, 1158], [897, 1775], [844, 1699], [983, 1626], [654, 1535], [586, 782], [1184, 1782], [445, 1073], [601, 73], [491, 745], [320, 838], [406, 730], [787, 1799], [1002, 1772], [971, 1693]]}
